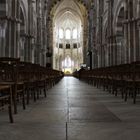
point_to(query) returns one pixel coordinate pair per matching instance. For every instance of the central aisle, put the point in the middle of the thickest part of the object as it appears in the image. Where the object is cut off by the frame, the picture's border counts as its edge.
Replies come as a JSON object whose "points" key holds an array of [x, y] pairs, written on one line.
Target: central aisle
{"points": [[74, 110]]}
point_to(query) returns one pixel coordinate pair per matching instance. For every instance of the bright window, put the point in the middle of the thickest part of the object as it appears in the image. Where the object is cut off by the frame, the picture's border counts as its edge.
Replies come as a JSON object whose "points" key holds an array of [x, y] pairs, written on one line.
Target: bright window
{"points": [[74, 35], [67, 63], [68, 35], [61, 33]]}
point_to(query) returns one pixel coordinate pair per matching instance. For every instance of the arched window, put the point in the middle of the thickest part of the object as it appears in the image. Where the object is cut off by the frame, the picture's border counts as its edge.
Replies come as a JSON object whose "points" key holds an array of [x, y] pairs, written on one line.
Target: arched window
{"points": [[67, 62], [68, 35], [61, 33], [74, 34]]}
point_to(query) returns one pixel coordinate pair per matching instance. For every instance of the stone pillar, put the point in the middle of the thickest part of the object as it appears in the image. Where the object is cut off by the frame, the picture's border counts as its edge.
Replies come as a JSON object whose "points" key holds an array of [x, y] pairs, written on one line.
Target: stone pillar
{"points": [[136, 41], [15, 28], [3, 28], [126, 49], [17, 47], [3, 39], [28, 50], [110, 33], [131, 31], [137, 34]]}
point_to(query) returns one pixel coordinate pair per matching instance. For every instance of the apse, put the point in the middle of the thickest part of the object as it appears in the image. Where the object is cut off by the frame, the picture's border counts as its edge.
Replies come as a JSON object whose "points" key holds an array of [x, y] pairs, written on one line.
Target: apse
{"points": [[67, 37]]}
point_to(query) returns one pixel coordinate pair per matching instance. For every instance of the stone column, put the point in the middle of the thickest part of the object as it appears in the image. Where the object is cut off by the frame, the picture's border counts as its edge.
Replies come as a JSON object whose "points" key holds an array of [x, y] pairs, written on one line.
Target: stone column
{"points": [[130, 31], [17, 47], [136, 40], [3, 40], [126, 49], [28, 56], [4, 30], [110, 33], [15, 28], [137, 35], [38, 40]]}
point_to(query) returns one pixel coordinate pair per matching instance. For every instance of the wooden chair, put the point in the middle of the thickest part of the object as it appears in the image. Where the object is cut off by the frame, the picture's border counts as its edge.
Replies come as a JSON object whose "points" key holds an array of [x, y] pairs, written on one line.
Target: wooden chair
{"points": [[5, 91], [6, 99], [10, 67]]}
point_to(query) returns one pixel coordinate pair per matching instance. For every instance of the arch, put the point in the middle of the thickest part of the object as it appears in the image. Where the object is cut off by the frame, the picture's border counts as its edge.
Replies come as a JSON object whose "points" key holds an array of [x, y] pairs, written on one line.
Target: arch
{"points": [[24, 14], [23, 31], [68, 33], [120, 50], [83, 3], [74, 33], [63, 11], [68, 15], [22, 24], [119, 22], [61, 33], [120, 4]]}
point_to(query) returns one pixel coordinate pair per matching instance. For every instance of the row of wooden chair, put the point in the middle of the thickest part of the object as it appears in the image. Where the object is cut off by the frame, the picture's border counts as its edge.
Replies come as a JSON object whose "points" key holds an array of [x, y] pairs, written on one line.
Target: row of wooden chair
{"points": [[23, 81], [124, 79]]}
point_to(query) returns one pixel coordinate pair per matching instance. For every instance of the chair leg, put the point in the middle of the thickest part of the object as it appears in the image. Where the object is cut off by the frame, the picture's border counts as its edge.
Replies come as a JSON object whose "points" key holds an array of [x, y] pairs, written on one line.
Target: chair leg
{"points": [[34, 96], [28, 95], [10, 107], [125, 96], [45, 95], [15, 104], [23, 101], [38, 92], [10, 114], [134, 98], [122, 92]]}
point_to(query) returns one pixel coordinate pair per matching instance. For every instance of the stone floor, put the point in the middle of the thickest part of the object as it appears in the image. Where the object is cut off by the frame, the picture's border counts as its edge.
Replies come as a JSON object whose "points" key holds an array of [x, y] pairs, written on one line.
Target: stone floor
{"points": [[74, 110]]}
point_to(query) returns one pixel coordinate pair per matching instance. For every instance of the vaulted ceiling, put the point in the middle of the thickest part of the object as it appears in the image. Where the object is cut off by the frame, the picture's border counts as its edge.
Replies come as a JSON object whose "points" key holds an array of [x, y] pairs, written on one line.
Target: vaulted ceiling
{"points": [[68, 14], [52, 3]]}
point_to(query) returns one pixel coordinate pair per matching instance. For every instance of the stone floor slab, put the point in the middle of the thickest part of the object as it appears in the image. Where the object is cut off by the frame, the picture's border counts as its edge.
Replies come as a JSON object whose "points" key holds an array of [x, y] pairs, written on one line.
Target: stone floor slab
{"points": [[76, 110]]}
